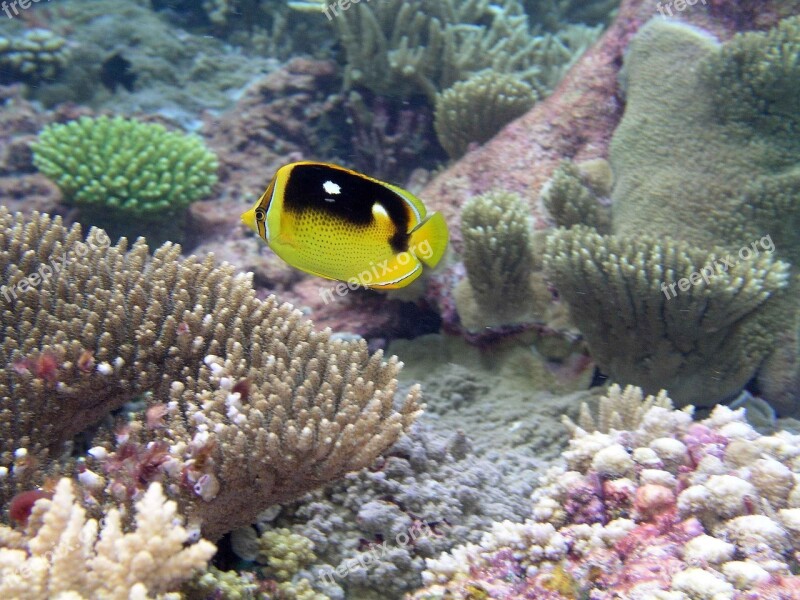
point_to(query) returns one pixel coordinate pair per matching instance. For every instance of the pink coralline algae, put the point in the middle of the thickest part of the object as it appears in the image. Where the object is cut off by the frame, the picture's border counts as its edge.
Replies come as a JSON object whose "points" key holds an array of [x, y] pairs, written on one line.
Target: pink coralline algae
{"points": [[671, 510]]}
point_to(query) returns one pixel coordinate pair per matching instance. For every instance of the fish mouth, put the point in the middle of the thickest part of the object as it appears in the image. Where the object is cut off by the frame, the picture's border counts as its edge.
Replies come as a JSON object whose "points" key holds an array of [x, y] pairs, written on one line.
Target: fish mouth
{"points": [[249, 219]]}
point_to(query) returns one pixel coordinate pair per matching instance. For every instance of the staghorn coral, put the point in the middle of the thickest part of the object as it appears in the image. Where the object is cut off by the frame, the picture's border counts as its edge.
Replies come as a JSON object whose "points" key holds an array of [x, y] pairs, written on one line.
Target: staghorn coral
{"points": [[707, 339], [472, 111], [247, 406], [62, 554], [646, 513], [126, 176], [498, 257], [36, 56]]}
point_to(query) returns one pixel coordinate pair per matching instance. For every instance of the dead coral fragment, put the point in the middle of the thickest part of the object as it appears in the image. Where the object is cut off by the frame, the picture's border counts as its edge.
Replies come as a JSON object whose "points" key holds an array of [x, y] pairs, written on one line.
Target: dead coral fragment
{"points": [[602, 528]]}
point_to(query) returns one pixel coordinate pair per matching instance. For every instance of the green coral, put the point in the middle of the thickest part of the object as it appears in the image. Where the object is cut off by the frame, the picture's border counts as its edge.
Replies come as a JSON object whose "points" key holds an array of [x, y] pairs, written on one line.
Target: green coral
{"points": [[37, 55], [284, 553], [230, 584], [755, 77], [692, 174], [411, 47], [498, 259], [476, 109], [705, 342], [571, 201], [126, 176]]}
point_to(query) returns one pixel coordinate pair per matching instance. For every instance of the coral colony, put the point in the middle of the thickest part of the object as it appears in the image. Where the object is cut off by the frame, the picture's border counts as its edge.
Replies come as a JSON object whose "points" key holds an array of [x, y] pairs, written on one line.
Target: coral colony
{"points": [[590, 391]]}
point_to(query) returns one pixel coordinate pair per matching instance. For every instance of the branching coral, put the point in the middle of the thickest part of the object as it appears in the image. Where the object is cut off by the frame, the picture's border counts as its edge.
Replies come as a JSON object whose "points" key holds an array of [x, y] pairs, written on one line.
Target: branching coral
{"points": [[406, 48], [619, 409], [62, 554], [670, 509], [472, 111], [694, 178], [703, 340], [498, 258], [571, 201], [753, 77], [125, 175], [247, 406], [37, 55]]}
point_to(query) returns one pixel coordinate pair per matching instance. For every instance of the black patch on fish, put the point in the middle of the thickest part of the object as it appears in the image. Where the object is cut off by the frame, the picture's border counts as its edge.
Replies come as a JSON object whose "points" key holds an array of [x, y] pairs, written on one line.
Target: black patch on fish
{"points": [[304, 191], [399, 242], [116, 70]]}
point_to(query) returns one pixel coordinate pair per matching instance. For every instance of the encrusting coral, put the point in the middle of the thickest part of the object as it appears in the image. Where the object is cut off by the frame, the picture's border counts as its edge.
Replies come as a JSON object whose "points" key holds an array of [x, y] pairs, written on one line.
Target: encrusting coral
{"points": [[668, 509], [129, 177], [246, 405], [62, 554], [472, 111], [702, 172]]}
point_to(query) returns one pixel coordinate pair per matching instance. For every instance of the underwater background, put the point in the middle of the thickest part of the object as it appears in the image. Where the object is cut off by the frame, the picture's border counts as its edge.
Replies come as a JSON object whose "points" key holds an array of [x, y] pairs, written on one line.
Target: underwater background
{"points": [[593, 395]]}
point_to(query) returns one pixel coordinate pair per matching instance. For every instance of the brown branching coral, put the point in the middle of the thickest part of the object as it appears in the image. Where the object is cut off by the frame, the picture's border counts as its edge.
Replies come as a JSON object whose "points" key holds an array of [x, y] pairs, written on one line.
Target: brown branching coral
{"points": [[247, 405]]}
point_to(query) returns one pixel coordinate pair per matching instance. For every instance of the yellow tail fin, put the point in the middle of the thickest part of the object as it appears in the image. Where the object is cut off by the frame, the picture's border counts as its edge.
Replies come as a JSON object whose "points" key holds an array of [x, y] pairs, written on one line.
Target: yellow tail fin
{"points": [[429, 240]]}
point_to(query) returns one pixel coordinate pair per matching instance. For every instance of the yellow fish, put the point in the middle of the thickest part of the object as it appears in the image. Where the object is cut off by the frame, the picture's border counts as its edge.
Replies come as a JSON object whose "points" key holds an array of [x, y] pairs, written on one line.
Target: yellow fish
{"points": [[339, 224]]}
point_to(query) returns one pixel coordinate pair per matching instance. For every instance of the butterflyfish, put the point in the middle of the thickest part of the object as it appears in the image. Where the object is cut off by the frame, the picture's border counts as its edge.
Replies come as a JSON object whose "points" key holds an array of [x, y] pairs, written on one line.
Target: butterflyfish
{"points": [[339, 224]]}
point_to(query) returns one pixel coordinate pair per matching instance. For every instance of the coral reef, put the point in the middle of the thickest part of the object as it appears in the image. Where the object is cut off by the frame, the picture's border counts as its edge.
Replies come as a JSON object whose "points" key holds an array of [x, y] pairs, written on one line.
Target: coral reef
{"points": [[705, 339], [578, 119], [151, 66], [670, 508], [62, 554], [126, 176], [498, 256], [472, 111], [246, 406], [390, 140], [36, 56], [571, 199], [685, 215], [411, 48]]}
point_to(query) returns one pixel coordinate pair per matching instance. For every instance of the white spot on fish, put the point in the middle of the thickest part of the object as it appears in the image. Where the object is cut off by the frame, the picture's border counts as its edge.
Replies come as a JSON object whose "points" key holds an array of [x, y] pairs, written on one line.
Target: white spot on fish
{"points": [[331, 188], [378, 210]]}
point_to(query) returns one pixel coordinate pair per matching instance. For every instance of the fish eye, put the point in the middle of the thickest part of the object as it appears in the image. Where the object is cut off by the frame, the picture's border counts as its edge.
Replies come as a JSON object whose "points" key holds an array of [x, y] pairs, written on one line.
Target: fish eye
{"points": [[260, 214]]}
